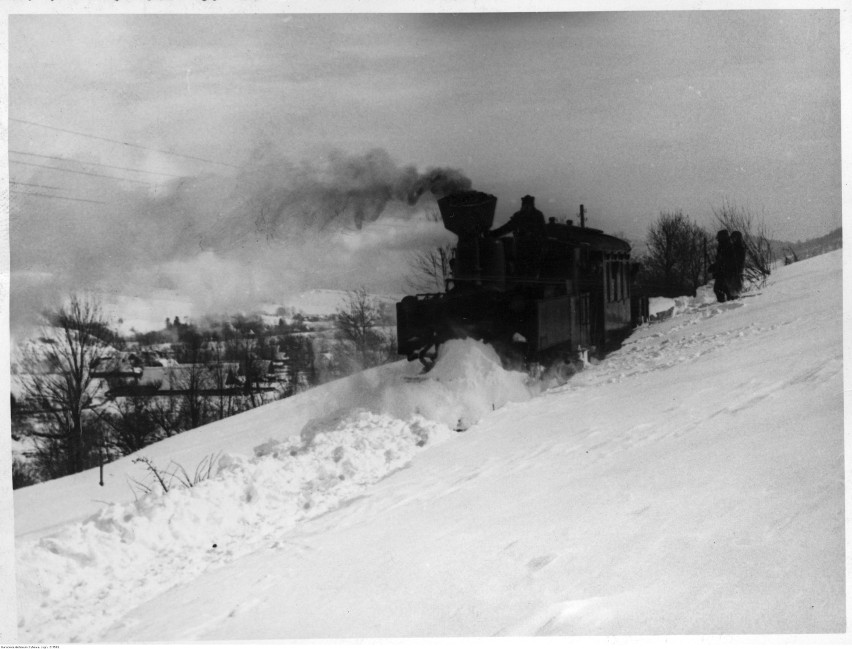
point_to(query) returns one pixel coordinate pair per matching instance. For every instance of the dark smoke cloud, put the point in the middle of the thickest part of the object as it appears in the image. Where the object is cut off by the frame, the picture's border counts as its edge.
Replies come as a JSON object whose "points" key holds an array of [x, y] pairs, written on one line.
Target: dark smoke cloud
{"points": [[274, 199], [344, 190], [270, 224]]}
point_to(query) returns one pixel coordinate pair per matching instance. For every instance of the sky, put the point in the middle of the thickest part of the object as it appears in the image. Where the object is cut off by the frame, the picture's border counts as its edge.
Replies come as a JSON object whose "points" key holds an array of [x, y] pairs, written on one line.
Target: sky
{"points": [[261, 155]]}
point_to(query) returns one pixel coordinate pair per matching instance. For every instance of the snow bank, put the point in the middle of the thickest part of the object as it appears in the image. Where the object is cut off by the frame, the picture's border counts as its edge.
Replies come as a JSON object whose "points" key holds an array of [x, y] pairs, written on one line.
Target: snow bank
{"points": [[129, 553], [664, 307]]}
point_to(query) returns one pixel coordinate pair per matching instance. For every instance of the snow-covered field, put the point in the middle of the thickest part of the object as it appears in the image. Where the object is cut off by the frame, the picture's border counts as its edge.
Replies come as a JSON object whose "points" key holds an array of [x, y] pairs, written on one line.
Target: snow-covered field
{"points": [[691, 483]]}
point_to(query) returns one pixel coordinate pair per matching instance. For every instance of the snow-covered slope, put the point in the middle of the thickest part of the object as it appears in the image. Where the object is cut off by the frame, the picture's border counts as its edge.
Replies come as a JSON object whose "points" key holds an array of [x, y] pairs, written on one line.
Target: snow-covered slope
{"points": [[690, 483]]}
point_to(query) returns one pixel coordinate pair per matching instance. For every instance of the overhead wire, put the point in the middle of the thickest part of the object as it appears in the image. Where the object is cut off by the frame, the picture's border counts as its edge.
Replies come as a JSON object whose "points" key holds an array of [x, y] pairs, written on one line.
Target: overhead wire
{"points": [[65, 169], [82, 173], [129, 144], [95, 164], [15, 182], [64, 198]]}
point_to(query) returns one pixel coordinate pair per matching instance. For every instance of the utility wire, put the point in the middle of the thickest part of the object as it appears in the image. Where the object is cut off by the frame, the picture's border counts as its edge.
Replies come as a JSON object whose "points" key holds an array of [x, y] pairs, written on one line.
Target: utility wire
{"points": [[96, 164], [130, 144], [64, 198], [82, 173], [15, 182]]}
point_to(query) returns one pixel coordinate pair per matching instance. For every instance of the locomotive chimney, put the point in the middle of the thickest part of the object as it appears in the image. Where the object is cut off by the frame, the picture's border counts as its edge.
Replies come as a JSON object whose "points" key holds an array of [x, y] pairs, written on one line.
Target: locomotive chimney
{"points": [[468, 213]]}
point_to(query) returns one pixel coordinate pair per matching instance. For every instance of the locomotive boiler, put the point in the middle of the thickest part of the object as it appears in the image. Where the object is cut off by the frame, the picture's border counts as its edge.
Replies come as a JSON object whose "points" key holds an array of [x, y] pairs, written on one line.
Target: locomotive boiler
{"points": [[536, 291]]}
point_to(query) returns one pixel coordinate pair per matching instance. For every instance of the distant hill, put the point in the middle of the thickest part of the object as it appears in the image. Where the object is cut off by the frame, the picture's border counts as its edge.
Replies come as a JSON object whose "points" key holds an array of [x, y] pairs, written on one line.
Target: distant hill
{"points": [[808, 248]]}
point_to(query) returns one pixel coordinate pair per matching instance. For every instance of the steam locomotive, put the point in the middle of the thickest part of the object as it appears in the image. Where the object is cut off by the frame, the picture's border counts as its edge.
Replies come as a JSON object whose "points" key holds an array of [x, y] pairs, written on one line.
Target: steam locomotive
{"points": [[537, 291]]}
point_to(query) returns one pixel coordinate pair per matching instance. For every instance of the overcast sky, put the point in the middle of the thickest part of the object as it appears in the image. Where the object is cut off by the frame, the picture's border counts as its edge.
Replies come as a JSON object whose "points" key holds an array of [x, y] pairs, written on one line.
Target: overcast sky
{"points": [[629, 113]]}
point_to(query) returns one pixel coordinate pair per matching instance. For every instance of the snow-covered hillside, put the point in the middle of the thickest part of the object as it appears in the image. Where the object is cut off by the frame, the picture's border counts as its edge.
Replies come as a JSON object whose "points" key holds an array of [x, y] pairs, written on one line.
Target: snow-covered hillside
{"points": [[692, 482]]}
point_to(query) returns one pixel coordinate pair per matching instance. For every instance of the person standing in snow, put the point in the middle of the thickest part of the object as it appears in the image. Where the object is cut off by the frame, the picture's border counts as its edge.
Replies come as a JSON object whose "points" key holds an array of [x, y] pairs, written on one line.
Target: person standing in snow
{"points": [[722, 267], [738, 255]]}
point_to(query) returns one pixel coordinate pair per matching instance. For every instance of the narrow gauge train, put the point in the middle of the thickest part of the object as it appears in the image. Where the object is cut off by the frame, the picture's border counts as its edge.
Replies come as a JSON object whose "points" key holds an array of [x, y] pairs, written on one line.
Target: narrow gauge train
{"points": [[538, 292]]}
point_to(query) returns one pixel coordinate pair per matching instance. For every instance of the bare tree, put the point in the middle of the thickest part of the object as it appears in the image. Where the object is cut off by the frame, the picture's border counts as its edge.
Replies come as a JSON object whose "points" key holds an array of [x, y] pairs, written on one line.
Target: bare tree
{"points": [[165, 412], [189, 382], [429, 269], [357, 322], [226, 402], [758, 263], [676, 254], [130, 423], [694, 250], [58, 384], [662, 243]]}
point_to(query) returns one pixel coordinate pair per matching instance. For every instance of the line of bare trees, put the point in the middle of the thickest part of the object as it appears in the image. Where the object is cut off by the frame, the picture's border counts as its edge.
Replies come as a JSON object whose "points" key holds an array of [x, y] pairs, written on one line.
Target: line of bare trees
{"points": [[363, 339], [65, 411], [679, 251]]}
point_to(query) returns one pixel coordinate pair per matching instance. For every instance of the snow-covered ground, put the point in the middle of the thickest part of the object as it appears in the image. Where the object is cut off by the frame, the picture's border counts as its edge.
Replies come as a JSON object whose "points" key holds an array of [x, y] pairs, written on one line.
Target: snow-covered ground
{"points": [[692, 482]]}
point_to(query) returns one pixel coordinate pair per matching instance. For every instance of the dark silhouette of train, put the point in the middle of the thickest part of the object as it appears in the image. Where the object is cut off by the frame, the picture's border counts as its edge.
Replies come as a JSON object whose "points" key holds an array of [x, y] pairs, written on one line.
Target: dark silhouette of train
{"points": [[537, 291]]}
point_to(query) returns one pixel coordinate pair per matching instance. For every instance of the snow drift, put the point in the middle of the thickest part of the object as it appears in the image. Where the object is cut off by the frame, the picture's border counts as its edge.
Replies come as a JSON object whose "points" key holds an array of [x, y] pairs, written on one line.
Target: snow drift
{"points": [[692, 482]]}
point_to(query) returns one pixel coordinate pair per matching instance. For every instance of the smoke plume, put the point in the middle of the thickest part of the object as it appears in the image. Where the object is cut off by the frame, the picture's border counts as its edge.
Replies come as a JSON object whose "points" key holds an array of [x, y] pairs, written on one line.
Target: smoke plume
{"points": [[228, 241], [344, 191]]}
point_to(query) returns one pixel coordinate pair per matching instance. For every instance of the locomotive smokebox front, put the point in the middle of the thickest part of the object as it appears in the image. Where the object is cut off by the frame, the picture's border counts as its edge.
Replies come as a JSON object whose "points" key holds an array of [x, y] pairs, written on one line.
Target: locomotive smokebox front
{"points": [[468, 213]]}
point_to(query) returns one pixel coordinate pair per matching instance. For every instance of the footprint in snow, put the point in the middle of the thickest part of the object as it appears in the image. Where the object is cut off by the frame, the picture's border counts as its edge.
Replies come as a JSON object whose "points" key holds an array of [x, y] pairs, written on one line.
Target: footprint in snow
{"points": [[242, 607], [540, 562]]}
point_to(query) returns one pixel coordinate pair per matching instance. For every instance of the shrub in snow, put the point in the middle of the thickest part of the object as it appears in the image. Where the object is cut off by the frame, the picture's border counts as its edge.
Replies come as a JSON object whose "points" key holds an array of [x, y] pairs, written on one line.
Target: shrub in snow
{"points": [[22, 474], [174, 475]]}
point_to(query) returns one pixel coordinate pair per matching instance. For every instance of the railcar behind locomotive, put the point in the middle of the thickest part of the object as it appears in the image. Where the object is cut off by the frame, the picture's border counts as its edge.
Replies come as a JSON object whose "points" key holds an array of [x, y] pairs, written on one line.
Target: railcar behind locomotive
{"points": [[537, 291]]}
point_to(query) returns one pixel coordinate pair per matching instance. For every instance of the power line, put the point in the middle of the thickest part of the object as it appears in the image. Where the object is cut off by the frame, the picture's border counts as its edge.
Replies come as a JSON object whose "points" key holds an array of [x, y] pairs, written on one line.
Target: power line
{"points": [[15, 182], [130, 144], [96, 164], [82, 173], [64, 198]]}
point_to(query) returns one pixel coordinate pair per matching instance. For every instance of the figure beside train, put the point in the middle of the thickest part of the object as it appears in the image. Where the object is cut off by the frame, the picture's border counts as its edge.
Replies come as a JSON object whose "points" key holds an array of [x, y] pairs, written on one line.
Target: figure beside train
{"points": [[538, 291]]}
